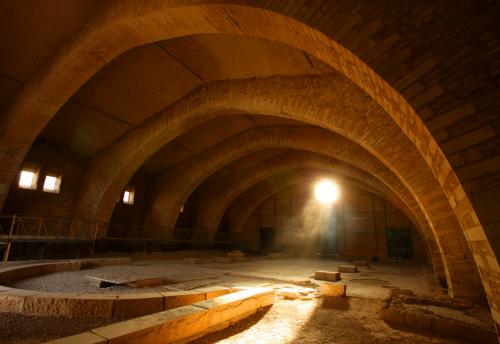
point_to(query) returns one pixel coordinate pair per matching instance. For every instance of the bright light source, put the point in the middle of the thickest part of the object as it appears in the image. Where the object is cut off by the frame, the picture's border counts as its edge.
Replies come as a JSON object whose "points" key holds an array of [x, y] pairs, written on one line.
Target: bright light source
{"points": [[51, 184], [27, 180], [128, 196], [326, 192]]}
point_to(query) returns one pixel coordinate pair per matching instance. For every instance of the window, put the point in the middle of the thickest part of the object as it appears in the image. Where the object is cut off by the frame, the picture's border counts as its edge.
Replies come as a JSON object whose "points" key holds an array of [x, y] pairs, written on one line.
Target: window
{"points": [[28, 179], [52, 183], [128, 196]]}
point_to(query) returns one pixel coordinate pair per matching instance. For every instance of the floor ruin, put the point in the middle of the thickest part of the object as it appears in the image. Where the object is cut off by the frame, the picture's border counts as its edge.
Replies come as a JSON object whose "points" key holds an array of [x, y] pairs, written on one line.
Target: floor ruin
{"points": [[356, 318]]}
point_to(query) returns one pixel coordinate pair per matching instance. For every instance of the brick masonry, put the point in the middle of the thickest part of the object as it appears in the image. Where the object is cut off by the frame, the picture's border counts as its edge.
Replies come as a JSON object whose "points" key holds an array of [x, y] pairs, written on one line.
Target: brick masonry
{"points": [[414, 78]]}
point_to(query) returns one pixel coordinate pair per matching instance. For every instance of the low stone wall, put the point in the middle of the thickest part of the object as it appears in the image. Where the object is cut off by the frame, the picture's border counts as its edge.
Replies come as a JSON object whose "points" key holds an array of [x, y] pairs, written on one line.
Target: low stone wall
{"points": [[72, 305], [180, 324], [446, 317]]}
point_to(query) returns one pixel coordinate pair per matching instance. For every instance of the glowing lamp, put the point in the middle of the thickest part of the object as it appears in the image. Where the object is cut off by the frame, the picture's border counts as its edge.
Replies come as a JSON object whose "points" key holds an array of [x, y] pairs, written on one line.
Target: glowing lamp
{"points": [[326, 192]]}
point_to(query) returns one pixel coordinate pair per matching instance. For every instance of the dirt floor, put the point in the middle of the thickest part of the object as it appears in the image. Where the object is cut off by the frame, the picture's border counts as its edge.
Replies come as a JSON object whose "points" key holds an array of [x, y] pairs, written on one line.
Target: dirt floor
{"points": [[25, 329], [353, 319], [347, 320]]}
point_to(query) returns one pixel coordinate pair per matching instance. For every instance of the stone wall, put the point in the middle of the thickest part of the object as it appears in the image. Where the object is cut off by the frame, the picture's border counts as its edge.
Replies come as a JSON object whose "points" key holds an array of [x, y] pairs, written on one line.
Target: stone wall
{"points": [[361, 221], [48, 157]]}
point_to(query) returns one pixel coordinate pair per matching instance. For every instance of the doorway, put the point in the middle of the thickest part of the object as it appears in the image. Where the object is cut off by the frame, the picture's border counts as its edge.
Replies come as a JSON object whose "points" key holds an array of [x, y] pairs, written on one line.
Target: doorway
{"points": [[399, 243], [267, 237]]}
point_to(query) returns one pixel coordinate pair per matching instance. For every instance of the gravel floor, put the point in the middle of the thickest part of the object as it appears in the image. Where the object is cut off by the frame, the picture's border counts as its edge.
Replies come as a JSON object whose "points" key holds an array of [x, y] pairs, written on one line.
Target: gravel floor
{"points": [[75, 281], [25, 329]]}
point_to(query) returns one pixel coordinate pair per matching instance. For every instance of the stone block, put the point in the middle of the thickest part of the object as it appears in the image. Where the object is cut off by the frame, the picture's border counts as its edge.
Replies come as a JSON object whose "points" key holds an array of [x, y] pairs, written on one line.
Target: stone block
{"points": [[364, 263], [7, 275], [116, 261], [128, 305], [47, 268], [174, 325], [215, 291], [16, 273], [91, 305], [327, 276], [334, 290], [176, 299], [62, 267], [229, 308], [319, 275], [46, 304], [347, 268], [76, 266], [12, 301], [81, 338]]}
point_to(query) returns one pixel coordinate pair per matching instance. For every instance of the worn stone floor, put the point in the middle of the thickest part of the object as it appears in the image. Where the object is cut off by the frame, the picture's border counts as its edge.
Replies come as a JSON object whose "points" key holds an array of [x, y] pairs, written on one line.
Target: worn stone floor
{"points": [[353, 319]]}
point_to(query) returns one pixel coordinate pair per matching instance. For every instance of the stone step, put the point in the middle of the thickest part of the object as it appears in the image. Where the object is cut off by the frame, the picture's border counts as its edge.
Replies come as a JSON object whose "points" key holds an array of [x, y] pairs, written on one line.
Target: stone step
{"points": [[180, 324]]}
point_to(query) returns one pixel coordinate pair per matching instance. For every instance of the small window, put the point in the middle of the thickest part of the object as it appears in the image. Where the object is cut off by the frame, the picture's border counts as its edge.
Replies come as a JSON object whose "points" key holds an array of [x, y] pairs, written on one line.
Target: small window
{"points": [[52, 183], [128, 196], [28, 179]]}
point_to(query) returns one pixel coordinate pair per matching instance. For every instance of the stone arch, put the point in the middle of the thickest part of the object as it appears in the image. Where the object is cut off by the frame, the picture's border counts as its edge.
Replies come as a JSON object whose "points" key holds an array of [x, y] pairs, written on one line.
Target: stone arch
{"points": [[328, 101], [173, 187], [216, 196], [123, 25]]}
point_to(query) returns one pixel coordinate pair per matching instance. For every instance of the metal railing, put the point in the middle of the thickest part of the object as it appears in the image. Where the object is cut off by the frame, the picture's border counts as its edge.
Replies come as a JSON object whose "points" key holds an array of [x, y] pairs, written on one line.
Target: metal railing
{"points": [[35, 227], [18, 227]]}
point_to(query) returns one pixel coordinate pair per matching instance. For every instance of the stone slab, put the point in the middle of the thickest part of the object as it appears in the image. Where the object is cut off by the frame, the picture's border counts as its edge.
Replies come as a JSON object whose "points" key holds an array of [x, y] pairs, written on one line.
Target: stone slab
{"points": [[134, 305], [334, 290], [181, 324], [61, 267], [319, 275], [150, 282], [46, 304], [195, 284], [47, 268], [164, 327], [331, 276], [81, 338], [174, 299], [12, 301], [91, 305], [215, 291], [224, 308], [347, 268], [76, 266]]}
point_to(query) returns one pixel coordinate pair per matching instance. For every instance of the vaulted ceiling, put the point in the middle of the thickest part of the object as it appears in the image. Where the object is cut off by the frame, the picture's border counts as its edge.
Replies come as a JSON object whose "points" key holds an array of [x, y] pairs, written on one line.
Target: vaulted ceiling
{"points": [[151, 86]]}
